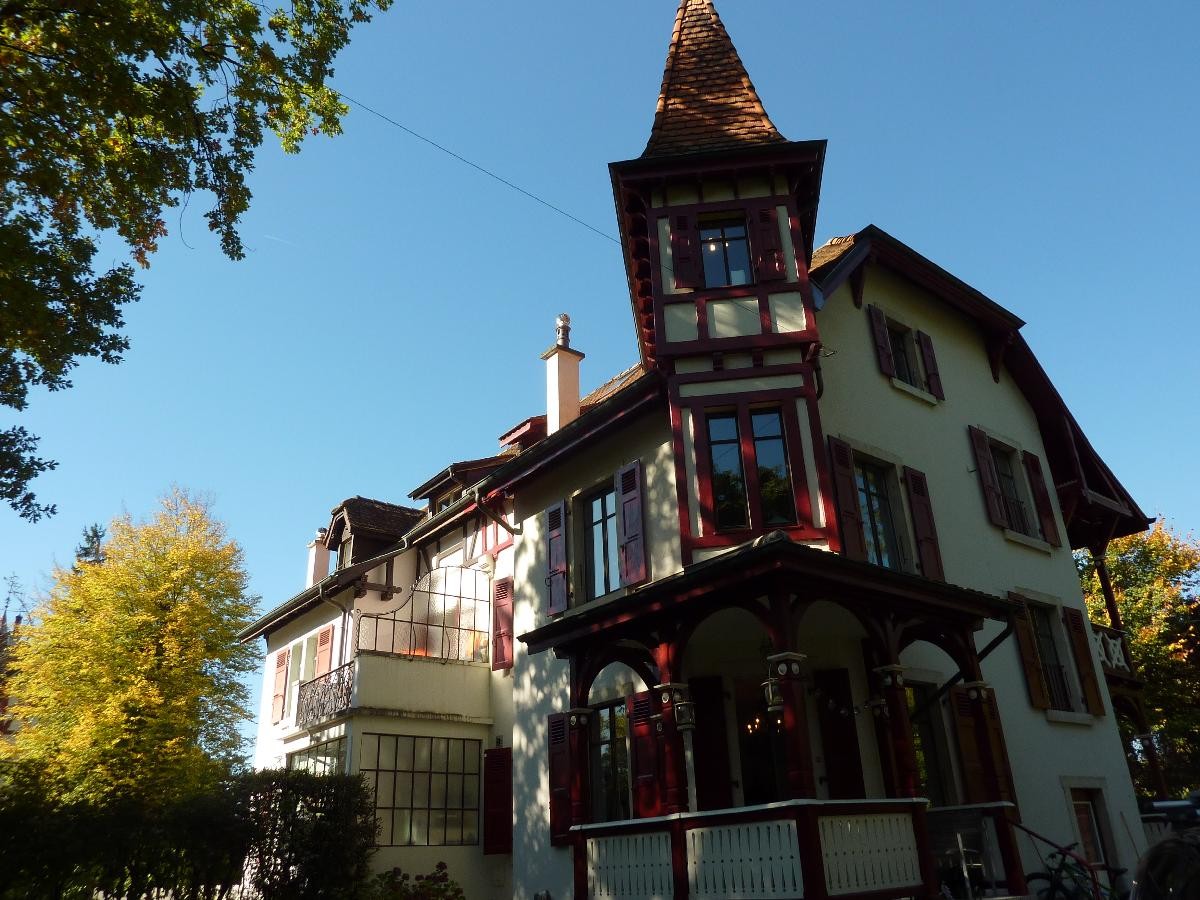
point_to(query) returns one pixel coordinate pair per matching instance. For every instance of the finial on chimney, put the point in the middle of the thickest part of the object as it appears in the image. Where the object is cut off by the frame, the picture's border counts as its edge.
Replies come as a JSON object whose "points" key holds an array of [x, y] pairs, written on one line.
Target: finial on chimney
{"points": [[562, 330]]}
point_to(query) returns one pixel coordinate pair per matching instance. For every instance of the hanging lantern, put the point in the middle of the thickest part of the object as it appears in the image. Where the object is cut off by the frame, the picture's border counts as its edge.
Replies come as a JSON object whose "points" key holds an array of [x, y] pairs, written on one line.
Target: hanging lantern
{"points": [[772, 694]]}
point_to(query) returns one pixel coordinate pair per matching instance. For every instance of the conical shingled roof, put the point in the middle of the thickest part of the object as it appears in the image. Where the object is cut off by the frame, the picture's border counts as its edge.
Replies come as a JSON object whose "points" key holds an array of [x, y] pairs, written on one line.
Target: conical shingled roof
{"points": [[707, 101]]}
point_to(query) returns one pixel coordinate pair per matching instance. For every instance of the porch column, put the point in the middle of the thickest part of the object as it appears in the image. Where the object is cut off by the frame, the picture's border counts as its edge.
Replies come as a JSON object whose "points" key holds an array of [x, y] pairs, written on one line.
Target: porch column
{"points": [[578, 746], [676, 719], [899, 729], [786, 691]]}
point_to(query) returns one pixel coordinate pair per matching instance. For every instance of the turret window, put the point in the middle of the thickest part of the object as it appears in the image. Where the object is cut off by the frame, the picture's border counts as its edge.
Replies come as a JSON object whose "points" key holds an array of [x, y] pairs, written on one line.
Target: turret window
{"points": [[766, 461], [728, 477], [726, 252]]}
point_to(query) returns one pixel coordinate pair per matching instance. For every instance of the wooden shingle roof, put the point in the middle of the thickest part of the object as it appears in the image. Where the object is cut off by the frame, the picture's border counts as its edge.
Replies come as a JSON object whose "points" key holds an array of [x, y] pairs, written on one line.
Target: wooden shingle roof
{"points": [[707, 101]]}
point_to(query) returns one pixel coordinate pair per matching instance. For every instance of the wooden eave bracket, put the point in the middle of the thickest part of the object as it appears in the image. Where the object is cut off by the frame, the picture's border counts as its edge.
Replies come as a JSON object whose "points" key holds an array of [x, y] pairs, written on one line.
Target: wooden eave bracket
{"points": [[997, 347], [858, 281]]}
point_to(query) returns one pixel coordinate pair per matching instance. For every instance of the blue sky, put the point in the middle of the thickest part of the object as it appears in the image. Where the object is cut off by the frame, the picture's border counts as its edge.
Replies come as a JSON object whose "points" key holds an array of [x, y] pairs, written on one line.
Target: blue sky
{"points": [[390, 313]]}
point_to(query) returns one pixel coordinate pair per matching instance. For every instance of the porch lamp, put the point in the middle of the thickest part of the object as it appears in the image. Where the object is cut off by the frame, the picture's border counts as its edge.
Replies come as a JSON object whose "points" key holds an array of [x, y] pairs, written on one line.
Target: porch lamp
{"points": [[780, 666], [677, 696], [772, 693]]}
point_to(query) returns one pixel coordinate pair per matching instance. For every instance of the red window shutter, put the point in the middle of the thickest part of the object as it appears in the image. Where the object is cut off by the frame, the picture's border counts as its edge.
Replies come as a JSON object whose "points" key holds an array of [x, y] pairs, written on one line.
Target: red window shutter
{"points": [[685, 252], [924, 531], [845, 489], [502, 624], [933, 378], [1031, 659], [279, 697], [631, 535], [559, 759], [883, 342], [989, 481], [1079, 633], [963, 712], [643, 755], [324, 650], [769, 259], [556, 557], [497, 800], [1041, 498]]}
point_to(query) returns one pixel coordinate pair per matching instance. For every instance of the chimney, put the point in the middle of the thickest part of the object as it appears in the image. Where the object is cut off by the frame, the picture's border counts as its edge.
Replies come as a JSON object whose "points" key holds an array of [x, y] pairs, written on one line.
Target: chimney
{"points": [[562, 378], [318, 560]]}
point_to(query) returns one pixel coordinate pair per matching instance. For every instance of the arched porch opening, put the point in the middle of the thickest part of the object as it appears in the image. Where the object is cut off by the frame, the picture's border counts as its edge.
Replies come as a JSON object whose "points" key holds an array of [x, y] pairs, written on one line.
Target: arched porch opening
{"points": [[927, 667]]}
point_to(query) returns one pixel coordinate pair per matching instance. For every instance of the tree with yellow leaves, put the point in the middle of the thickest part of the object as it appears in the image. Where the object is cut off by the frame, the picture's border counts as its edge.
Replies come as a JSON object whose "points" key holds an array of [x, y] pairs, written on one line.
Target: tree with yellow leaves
{"points": [[1156, 580], [128, 682]]}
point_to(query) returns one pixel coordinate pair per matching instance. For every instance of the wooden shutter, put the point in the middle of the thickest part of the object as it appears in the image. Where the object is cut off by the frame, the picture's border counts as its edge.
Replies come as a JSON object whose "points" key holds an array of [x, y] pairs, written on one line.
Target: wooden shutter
{"points": [[279, 697], [1079, 633], [974, 775], [559, 760], [497, 800], [924, 530], [989, 481], [324, 651], [502, 624], [845, 489], [685, 252], [1041, 498], [976, 722], [1004, 787], [933, 378], [631, 535], [556, 557], [769, 259], [643, 755], [883, 342], [1031, 659]]}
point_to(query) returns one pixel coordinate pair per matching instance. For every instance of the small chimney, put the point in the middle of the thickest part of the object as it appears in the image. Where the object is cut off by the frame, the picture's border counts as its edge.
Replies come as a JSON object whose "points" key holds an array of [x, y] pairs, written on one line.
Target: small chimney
{"points": [[318, 560], [562, 378]]}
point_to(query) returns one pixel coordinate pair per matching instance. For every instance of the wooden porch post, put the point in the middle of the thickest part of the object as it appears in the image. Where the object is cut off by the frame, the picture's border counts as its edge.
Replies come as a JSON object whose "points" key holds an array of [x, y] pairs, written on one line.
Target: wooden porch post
{"points": [[578, 743], [674, 783], [899, 729], [784, 670]]}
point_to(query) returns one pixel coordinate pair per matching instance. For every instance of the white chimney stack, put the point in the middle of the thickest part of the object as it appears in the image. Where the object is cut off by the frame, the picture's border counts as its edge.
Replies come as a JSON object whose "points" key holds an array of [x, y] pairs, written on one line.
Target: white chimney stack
{"points": [[562, 378], [318, 560]]}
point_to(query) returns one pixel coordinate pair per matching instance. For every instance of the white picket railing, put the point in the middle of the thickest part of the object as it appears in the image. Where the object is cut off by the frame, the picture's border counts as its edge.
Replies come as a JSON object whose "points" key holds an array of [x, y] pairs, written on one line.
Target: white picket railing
{"points": [[870, 852], [630, 867], [746, 859]]}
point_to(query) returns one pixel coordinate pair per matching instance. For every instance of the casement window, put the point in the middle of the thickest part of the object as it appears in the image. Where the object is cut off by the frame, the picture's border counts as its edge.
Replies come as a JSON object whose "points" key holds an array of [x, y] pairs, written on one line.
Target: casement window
{"points": [[497, 800], [905, 354], [326, 758], [502, 624], [871, 512], [730, 248], [748, 475], [1056, 657], [426, 789], [609, 756], [725, 251], [1014, 488], [1086, 805], [610, 539]]}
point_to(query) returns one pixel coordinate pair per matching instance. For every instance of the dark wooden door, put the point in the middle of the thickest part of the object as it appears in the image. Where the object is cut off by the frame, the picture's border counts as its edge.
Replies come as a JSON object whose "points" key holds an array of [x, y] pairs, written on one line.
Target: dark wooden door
{"points": [[711, 744], [839, 735]]}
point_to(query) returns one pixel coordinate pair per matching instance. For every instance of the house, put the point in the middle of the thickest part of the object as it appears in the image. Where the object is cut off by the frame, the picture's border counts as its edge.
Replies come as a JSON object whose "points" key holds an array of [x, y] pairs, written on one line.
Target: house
{"points": [[786, 609]]}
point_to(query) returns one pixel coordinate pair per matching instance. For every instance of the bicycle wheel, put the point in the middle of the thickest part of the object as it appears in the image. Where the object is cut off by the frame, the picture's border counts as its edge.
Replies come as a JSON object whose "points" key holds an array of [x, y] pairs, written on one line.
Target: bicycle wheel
{"points": [[1042, 886]]}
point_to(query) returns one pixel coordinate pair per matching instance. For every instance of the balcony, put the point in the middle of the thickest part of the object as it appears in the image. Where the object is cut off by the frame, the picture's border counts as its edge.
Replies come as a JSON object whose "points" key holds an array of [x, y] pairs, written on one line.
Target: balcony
{"points": [[325, 696], [796, 848], [1114, 652], [446, 615]]}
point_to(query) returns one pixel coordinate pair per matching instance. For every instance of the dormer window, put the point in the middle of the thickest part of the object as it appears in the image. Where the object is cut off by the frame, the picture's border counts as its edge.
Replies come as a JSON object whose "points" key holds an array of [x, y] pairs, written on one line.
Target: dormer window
{"points": [[725, 251]]}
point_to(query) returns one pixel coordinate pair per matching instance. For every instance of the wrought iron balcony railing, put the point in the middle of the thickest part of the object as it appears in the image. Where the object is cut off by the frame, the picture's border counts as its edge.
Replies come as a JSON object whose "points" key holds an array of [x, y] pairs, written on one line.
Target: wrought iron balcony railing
{"points": [[325, 696], [446, 615]]}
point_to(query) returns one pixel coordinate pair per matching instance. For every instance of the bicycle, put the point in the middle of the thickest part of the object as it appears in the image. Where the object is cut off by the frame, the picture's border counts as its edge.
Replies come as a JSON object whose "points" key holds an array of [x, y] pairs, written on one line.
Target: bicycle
{"points": [[1069, 880]]}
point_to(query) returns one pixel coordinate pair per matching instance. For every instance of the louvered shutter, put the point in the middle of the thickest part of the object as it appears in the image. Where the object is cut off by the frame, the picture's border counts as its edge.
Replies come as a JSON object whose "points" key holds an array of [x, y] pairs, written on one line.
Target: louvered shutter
{"points": [[989, 481], [845, 489], [1005, 789], [685, 252], [279, 696], [643, 755], [631, 537], [963, 711], [1031, 659], [502, 624], [1079, 632], [769, 251], [924, 530], [559, 761], [497, 800], [324, 651], [883, 342], [1041, 498], [556, 557], [933, 378]]}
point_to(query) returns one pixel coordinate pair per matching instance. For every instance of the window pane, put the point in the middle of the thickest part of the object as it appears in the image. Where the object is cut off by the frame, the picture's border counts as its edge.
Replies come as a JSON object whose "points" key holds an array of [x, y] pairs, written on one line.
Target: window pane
{"points": [[404, 797], [596, 560], [385, 787], [420, 789], [876, 511], [774, 479], [471, 756], [402, 830], [614, 565], [383, 826], [420, 827], [738, 255], [441, 752], [767, 423], [424, 751], [454, 820], [470, 792], [470, 828], [456, 757], [387, 752], [713, 254], [370, 751], [437, 826], [437, 791], [404, 754], [722, 428], [728, 483]]}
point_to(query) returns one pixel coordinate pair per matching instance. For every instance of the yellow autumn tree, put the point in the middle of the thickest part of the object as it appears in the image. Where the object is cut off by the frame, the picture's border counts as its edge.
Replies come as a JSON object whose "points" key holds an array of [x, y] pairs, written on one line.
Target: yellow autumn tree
{"points": [[128, 683]]}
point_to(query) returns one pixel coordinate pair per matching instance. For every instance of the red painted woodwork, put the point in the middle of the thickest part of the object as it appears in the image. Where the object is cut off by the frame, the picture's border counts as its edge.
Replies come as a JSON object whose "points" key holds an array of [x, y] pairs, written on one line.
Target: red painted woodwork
{"points": [[1027, 649], [556, 557], [1078, 632], [710, 745], [502, 624], [929, 555], [497, 800], [643, 755], [850, 524], [559, 760], [769, 259], [324, 651], [907, 777], [839, 735], [631, 537], [883, 341], [933, 378], [1041, 498], [989, 481], [983, 755], [279, 696], [685, 252]]}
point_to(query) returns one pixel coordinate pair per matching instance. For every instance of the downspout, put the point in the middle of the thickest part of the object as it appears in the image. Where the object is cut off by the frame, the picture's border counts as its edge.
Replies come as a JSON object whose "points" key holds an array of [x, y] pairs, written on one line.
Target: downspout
{"points": [[477, 496], [958, 676]]}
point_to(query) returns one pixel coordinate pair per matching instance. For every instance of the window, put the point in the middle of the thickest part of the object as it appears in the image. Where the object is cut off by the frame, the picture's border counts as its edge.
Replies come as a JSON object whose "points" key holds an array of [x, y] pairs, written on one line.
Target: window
{"points": [[426, 789], [728, 479], [929, 742], [875, 507], [725, 251], [328, 758], [1003, 458], [1056, 656], [1014, 488], [1053, 672], [1087, 821], [601, 543], [774, 479], [610, 763], [775, 502], [904, 354]]}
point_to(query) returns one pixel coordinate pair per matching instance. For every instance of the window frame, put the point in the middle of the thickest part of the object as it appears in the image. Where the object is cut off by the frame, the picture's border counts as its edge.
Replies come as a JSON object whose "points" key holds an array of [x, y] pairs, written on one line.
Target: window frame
{"points": [[341, 756], [721, 220], [893, 494], [914, 346], [619, 743], [582, 504], [1063, 690]]}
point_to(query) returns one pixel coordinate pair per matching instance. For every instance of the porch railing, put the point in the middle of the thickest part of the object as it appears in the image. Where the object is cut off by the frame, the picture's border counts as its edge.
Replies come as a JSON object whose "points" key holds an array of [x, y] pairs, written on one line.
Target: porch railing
{"points": [[1114, 650], [797, 848], [445, 615], [325, 696]]}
